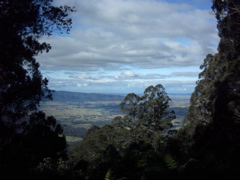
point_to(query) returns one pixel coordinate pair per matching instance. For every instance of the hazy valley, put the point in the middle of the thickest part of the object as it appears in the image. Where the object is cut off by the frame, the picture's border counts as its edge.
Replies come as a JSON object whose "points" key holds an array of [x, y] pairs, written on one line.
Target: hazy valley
{"points": [[79, 111]]}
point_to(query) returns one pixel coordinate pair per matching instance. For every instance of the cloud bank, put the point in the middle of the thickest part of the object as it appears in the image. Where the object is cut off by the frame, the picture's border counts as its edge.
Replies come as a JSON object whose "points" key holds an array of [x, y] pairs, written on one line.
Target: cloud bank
{"points": [[114, 41]]}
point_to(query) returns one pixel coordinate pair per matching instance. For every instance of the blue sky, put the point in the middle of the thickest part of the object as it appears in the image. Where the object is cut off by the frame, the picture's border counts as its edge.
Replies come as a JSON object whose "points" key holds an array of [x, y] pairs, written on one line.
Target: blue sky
{"points": [[124, 46]]}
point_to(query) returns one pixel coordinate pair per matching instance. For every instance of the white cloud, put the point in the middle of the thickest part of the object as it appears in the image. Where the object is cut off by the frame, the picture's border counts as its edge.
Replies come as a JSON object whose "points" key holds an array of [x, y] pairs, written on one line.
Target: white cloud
{"points": [[128, 74], [82, 85], [110, 35], [137, 33]]}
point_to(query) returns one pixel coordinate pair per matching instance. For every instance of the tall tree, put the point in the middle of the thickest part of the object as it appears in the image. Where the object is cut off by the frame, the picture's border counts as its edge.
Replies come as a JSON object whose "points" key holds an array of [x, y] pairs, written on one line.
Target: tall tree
{"points": [[135, 126], [22, 24], [150, 110], [217, 95], [154, 107], [22, 86], [130, 105], [214, 114]]}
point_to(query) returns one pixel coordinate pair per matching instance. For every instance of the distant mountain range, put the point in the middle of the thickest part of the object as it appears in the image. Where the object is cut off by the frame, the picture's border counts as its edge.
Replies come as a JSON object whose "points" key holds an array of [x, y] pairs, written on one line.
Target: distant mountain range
{"points": [[64, 96]]}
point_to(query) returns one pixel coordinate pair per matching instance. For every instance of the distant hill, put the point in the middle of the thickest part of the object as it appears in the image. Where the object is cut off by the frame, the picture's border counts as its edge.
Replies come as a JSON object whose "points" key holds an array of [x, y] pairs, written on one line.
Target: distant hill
{"points": [[65, 96]]}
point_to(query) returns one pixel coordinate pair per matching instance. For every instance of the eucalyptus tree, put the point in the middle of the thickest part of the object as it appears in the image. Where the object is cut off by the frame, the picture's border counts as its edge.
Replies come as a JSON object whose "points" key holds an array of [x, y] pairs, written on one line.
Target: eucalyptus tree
{"points": [[130, 105], [150, 110], [217, 95], [154, 107], [214, 113]]}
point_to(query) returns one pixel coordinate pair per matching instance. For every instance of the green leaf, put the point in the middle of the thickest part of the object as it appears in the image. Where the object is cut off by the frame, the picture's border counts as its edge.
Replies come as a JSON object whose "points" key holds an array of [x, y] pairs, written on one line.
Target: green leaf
{"points": [[170, 162]]}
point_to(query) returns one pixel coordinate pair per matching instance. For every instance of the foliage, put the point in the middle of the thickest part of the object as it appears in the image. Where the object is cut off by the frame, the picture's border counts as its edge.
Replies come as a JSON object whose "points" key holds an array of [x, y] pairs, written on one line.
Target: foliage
{"points": [[134, 138], [145, 118], [149, 111], [133, 146], [22, 24], [207, 146], [213, 119], [216, 97], [108, 175], [26, 135], [48, 166], [170, 162], [39, 138]]}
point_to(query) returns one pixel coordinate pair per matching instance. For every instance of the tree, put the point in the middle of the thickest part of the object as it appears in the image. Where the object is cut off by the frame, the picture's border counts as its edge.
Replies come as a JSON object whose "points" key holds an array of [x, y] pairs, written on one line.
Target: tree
{"points": [[22, 24], [144, 120], [22, 86], [214, 111], [130, 105], [216, 97], [200, 109], [98, 139], [150, 110], [39, 139], [154, 107], [227, 14]]}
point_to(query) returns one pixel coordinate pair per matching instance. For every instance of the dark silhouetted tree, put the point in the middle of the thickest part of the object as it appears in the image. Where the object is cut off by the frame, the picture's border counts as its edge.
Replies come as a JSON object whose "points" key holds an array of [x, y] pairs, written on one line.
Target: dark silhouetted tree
{"points": [[22, 86], [216, 97], [214, 115]]}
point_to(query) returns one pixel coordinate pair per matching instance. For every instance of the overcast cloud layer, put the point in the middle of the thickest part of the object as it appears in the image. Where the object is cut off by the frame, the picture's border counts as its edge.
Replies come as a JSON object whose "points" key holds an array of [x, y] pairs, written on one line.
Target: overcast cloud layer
{"points": [[119, 46]]}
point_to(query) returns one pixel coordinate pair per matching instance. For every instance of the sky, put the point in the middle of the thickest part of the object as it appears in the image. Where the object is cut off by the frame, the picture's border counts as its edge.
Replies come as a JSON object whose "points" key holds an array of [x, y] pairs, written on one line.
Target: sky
{"points": [[124, 46]]}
